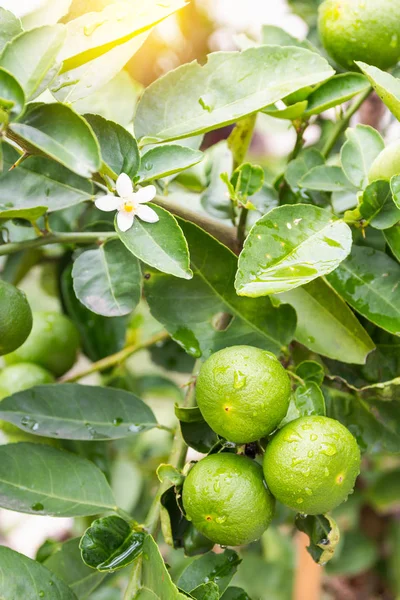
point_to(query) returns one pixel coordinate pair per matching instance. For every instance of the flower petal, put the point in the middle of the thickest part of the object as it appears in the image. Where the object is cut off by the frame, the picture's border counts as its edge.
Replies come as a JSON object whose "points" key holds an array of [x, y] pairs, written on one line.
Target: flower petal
{"points": [[147, 214], [107, 203], [124, 185], [145, 194], [125, 220]]}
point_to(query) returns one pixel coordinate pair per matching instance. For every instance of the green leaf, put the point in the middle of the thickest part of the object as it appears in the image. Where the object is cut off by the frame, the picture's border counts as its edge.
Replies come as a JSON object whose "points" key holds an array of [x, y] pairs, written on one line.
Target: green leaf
{"points": [[108, 280], [66, 563], [333, 330], [188, 415], [192, 311], [10, 27], [167, 159], [235, 593], [41, 480], [335, 91], [12, 97], [303, 242], [377, 207], [41, 182], [309, 400], [169, 473], [28, 214], [110, 544], [386, 86], [297, 168], [369, 281], [215, 199], [218, 568], [323, 533], [118, 147], [24, 578], [71, 411], [178, 104], [273, 35], [156, 581], [384, 494], [311, 371], [247, 180], [39, 48], [206, 591], [358, 153], [60, 133], [392, 237], [325, 178], [356, 555], [292, 112], [161, 245]]}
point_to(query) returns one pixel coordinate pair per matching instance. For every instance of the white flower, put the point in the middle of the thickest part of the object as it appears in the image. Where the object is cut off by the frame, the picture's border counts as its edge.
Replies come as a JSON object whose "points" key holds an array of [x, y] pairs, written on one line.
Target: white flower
{"points": [[128, 203]]}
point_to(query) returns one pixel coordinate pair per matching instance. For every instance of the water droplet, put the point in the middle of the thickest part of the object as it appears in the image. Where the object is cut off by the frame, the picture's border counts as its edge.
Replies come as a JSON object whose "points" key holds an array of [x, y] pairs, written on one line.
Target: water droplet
{"points": [[306, 472], [310, 453], [135, 428], [145, 556], [299, 501], [296, 461], [306, 426], [291, 437], [239, 380], [41, 594], [326, 471], [324, 542], [394, 41], [148, 166], [308, 491], [328, 449], [217, 487], [220, 520], [302, 515], [37, 507], [30, 423], [117, 421], [313, 437]]}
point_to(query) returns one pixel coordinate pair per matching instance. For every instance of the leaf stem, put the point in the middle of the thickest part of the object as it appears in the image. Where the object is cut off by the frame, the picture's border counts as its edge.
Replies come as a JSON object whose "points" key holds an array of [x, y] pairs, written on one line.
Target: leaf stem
{"points": [[115, 359], [88, 237], [296, 377], [341, 125]]}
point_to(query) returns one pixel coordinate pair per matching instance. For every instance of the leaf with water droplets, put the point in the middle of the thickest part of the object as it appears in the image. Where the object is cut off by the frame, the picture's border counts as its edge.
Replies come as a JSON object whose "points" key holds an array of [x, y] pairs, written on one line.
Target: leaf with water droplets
{"points": [[218, 568], [309, 400], [323, 533], [77, 412], [289, 247], [166, 160]]}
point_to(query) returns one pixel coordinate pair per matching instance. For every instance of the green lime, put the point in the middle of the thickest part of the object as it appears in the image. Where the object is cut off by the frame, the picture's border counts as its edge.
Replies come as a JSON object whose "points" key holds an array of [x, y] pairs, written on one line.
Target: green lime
{"points": [[52, 344], [386, 164], [311, 465], [15, 318], [366, 30], [243, 393], [225, 497]]}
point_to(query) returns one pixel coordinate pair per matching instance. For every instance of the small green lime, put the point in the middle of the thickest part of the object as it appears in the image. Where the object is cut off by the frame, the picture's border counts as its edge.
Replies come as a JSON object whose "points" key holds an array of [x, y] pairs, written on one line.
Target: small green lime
{"points": [[53, 344], [243, 393], [15, 318], [386, 164], [311, 465], [225, 497], [365, 30]]}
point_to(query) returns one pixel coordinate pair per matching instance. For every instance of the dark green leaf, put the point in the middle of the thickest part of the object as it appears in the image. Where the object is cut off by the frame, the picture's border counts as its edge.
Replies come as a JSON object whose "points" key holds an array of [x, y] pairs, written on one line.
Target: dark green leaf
{"points": [[169, 473], [167, 159], [118, 147], [384, 494], [161, 245], [247, 180], [323, 533], [188, 415], [337, 90], [199, 436], [303, 242], [325, 178], [386, 86], [377, 207], [359, 152], [219, 568], [28, 214], [60, 133], [71, 411], [178, 104], [108, 280], [24, 578], [309, 400], [109, 544], [292, 112], [193, 311], [235, 593], [41, 480], [155, 577], [357, 554], [12, 97], [395, 189], [194, 542], [206, 591], [333, 330], [369, 281], [309, 370], [392, 237], [10, 27]]}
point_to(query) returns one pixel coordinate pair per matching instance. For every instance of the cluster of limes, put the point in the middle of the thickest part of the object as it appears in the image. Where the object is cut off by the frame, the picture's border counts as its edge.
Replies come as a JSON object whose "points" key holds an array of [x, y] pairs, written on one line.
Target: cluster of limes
{"points": [[310, 465], [35, 347]]}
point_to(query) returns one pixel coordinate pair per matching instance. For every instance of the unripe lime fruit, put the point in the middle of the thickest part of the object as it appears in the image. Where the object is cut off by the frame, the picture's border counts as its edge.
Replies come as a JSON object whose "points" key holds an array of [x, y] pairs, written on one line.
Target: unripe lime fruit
{"points": [[366, 30], [15, 318], [243, 393], [53, 344], [386, 164], [311, 465], [225, 497]]}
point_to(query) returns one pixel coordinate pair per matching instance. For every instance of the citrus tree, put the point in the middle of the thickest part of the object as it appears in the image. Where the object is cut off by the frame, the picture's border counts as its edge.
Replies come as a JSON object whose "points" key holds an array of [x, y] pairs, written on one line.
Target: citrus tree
{"points": [[265, 294]]}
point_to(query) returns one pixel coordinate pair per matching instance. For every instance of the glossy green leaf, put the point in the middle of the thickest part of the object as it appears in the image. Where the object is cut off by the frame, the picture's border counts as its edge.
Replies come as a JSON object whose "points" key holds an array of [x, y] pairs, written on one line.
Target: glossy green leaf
{"points": [[41, 182], [219, 568], [358, 153], [384, 495], [297, 168], [395, 189], [335, 91], [178, 104], [333, 331], [118, 147], [199, 436], [194, 311], [235, 593], [66, 562], [10, 27], [156, 581], [110, 544], [28, 214], [215, 199], [377, 207], [161, 245], [309, 370], [22, 577], [386, 86], [292, 112], [357, 554], [71, 411], [325, 178], [289, 247], [247, 180], [12, 97], [60, 133], [41, 480], [392, 237], [206, 591], [309, 400], [369, 281], [39, 48], [324, 536], [169, 473], [188, 415], [108, 280], [167, 159]]}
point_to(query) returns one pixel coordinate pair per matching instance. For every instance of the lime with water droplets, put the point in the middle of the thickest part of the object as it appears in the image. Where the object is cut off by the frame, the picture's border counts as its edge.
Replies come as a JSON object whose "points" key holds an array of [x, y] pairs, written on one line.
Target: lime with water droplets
{"points": [[15, 318], [243, 393], [311, 465], [225, 497]]}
